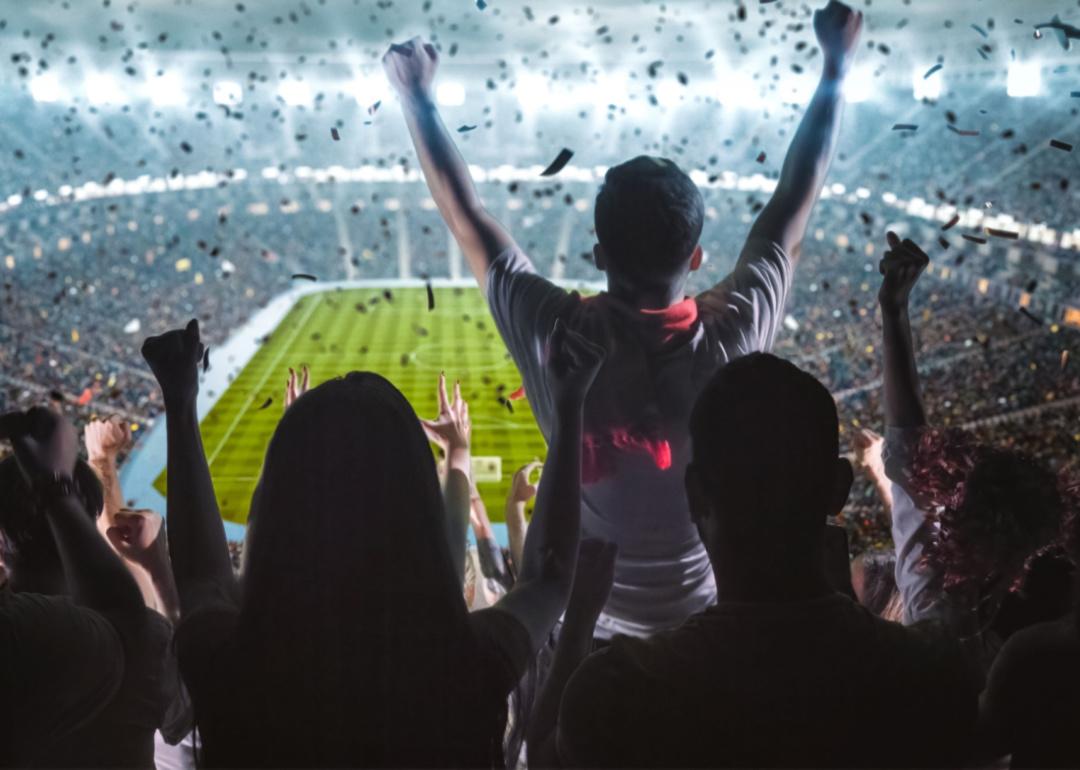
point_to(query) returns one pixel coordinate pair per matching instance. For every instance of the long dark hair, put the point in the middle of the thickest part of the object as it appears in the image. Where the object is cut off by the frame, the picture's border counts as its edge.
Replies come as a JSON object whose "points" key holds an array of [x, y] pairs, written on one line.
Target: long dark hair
{"points": [[351, 610]]}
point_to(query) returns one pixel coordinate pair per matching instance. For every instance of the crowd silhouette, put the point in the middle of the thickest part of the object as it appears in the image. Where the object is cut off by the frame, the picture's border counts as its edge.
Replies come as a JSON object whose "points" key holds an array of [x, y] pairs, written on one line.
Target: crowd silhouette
{"points": [[680, 595]]}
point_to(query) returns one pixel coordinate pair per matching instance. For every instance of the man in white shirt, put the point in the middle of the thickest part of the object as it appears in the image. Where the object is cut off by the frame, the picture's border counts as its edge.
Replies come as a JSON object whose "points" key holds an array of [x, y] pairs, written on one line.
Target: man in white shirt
{"points": [[662, 346]]}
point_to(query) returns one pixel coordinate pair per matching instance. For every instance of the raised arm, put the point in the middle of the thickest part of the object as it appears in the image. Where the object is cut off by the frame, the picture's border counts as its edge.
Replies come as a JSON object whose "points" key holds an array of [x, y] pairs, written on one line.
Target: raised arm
{"points": [[196, 534], [902, 266], [550, 551], [46, 447], [593, 579], [411, 69], [104, 440], [784, 219], [521, 492], [452, 432], [920, 588]]}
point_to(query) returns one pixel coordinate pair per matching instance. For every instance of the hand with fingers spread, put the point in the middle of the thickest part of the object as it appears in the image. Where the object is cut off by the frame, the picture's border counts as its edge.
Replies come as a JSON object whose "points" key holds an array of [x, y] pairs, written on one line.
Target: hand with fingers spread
{"points": [[521, 489], [410, 67], [45, 443], [296, 386], [451, 429], [572, 364], [105, 439], [902, 265], [174, 358]]}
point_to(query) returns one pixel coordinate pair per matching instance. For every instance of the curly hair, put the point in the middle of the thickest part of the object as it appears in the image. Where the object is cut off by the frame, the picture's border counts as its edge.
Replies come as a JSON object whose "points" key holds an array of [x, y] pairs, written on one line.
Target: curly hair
{"points": [[996, 510]]}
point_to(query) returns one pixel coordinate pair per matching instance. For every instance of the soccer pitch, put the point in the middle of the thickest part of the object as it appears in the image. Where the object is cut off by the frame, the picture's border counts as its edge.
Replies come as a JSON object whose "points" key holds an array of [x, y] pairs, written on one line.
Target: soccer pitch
{"points": [[392, 332]]}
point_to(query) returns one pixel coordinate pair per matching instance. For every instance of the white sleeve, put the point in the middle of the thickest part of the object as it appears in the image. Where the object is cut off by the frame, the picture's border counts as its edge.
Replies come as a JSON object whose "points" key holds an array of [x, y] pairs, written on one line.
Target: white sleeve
{"points": [[920, 587], [745, 310]]}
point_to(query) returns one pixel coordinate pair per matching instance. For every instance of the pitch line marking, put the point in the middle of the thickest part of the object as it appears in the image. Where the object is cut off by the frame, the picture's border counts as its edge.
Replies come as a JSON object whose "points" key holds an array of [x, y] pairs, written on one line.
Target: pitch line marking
{"points": [[269, 371]]}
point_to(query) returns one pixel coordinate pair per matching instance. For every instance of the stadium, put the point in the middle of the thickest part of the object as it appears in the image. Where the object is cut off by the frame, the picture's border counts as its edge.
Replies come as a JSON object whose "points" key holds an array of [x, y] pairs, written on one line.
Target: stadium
{"points": [[197, 179], [246, 164]]}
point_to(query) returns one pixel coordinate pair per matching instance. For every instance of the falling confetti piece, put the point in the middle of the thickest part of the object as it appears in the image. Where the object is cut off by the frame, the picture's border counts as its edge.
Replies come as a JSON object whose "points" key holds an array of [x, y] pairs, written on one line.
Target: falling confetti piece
{"points": [[1061, 145], [905, 127], [980, 30], [951, 223], [430, 296], [465, 129], [267, 403], [962, 132], [972, 238], [1029, 316], [932, 70], [518, 394], [560, 161], [1003, 233], [303, 277], [1064, 359], [335, 135], [761, 157]]}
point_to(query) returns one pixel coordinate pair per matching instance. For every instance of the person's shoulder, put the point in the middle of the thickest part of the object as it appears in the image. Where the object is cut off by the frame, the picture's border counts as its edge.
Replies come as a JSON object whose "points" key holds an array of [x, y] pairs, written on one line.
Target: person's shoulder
{"points": [[28, 613], [1038, 649]]}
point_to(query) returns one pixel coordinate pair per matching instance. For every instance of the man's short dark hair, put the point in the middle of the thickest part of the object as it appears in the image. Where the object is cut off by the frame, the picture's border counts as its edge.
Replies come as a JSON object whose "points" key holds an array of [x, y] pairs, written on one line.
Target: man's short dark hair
{"points": [[649, 216], [24, 530], [765, 442]]}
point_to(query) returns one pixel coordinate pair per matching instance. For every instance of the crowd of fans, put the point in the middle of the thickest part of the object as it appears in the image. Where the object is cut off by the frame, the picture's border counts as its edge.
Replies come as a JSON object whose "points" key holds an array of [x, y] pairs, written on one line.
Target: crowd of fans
{"points": [[684, 592]]}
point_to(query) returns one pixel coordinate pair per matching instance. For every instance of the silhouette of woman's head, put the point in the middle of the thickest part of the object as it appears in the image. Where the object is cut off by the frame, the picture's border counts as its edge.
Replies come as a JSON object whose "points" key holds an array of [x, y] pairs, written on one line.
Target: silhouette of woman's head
{"points": [[349, 592], [996, 510], [27, 546]]}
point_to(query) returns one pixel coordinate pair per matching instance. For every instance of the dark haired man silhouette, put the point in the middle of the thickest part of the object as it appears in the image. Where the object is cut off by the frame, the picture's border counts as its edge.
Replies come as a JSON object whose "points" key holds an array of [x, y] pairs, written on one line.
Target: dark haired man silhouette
{"points": [[662, 346]]}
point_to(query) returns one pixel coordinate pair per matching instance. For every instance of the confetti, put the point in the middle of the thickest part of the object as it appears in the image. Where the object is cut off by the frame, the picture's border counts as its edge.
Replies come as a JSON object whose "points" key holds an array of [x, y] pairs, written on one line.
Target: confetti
{"points": [[267, 403], [1064, 359], [430, 296], [206, 359], [932, 70], [1061, 145], [1027, 314], [905, 127], [962, 132], [335, 135], [465, 129], [303, 277], [761, 157], [1002, 233], [951, 223], [560, 161], [972, 238]]}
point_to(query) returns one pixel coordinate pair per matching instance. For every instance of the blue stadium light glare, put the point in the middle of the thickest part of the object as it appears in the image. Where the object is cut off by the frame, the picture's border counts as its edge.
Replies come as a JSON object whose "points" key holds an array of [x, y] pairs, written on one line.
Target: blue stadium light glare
{"points": [[295, 93], [923, 87], [859, 85], [368, 89], [45, 88], [228, 93], [1025, 79], [102, 88], [166, 90], [450, 94]]}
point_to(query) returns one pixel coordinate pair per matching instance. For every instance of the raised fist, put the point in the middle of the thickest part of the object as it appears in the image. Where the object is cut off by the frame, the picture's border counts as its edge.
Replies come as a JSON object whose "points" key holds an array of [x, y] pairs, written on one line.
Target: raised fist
{"points": [[837, 28], [410, 67], [174, 359]]}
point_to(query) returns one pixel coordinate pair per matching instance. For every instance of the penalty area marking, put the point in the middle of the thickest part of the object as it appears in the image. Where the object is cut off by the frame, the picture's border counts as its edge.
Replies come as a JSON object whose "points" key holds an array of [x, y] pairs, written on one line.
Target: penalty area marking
{"points": [[269, 371]]}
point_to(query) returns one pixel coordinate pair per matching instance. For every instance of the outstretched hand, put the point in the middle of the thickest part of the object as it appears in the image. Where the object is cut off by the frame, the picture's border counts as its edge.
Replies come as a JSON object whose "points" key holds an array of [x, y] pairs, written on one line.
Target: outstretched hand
{"points": [[45, 442], [451, 429], [521, 489], [296, 386], [837, 27], [901, 266], [174, 358], [410, 67], [572, 364]]}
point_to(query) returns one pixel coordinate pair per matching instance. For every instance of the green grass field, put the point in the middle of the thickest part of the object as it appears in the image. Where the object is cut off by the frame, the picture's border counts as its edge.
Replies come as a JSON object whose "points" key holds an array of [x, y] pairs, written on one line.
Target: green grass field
{"points": [[400, 339]]}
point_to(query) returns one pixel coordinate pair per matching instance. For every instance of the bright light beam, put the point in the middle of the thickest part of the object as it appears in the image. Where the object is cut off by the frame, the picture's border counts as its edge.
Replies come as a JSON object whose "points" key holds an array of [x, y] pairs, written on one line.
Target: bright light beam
{"points": [[228, 93], [45, 88], [103, 89], [450, 94], [1025, 79]]}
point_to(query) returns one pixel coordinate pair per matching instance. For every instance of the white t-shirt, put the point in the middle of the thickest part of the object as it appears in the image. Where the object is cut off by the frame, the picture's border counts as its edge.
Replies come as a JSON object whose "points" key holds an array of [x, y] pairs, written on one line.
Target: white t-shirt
{"points": [[637, 415]]}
